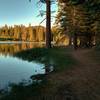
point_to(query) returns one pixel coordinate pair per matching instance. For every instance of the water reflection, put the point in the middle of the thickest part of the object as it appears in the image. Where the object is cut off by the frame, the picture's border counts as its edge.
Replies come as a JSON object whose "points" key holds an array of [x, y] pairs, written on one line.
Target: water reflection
{"points": [[12, 68], [11, 48]]}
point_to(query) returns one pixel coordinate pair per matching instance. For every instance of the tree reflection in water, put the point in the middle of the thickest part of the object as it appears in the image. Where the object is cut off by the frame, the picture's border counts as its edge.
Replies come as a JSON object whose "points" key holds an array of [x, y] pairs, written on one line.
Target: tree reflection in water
{"points": [[23, 51], [11, 48]]}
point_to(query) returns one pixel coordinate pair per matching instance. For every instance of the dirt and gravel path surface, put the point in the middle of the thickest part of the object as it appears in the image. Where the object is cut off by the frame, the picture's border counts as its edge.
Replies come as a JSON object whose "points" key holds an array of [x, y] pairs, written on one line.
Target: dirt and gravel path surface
{"points": [[81, 82], [87, 76]]}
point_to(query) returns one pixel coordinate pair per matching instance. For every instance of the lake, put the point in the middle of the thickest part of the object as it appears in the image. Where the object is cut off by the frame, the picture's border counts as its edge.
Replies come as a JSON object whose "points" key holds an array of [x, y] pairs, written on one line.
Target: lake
{"points": [[14, 69]]}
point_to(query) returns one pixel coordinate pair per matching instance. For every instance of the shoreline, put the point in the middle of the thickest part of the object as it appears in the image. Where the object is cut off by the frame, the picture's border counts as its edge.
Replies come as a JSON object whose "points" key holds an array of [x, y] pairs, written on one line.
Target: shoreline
{"points": [[23, 42]]}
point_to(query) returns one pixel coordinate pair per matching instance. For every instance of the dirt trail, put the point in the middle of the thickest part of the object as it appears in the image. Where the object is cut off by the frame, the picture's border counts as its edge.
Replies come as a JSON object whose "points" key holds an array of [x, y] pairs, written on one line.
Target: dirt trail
{"points": [[87, 82], [83, 79]]}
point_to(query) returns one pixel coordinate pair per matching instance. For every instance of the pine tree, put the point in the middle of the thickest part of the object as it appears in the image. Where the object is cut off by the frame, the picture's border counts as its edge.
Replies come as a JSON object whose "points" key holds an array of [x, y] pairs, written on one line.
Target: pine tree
{"points": [[79, 17]]}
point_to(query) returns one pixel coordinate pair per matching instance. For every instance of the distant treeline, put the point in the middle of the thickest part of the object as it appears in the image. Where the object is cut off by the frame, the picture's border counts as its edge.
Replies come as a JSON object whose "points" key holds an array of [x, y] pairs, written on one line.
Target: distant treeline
{"points": [[22, 33]]}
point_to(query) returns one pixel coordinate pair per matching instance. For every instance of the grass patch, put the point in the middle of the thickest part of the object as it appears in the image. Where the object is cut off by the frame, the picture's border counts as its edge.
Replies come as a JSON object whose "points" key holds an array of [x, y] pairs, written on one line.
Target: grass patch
{"points": [[60, 58]]}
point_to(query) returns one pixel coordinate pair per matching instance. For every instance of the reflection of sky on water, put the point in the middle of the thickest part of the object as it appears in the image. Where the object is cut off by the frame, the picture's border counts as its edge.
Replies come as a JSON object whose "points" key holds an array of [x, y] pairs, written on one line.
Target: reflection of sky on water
{"points": [[15, 70]]}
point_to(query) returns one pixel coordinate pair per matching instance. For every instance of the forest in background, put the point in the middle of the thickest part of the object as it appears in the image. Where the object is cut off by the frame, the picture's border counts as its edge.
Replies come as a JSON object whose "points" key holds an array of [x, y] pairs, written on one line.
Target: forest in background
{"points": [[31, 34], [22, 33]]}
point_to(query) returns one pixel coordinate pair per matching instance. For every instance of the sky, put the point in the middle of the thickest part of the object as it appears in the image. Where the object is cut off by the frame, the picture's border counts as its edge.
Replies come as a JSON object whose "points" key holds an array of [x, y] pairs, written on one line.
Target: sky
{"points": [[16, 12]]}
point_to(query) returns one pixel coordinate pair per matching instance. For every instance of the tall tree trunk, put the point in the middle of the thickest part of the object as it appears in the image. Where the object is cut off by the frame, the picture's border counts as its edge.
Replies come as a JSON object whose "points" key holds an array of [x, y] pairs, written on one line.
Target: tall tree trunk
{"points": [[48, 24], [75, 41], [90, 40], [70, 40]]}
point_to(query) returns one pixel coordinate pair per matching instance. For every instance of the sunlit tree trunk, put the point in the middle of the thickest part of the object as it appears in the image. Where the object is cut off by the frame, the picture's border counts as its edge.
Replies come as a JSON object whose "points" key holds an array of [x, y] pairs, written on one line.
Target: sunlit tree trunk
{"points": [[48, 24]]}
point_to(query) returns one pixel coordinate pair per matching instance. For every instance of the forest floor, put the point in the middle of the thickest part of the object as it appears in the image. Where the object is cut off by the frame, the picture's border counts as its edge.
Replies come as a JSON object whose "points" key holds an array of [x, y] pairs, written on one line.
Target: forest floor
{"points": [[81, 82]]}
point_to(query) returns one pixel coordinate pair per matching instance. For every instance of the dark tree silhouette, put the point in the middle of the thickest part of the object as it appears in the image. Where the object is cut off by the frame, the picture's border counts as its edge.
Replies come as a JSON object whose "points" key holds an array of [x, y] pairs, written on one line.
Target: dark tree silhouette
{"points": [[48, 22]]}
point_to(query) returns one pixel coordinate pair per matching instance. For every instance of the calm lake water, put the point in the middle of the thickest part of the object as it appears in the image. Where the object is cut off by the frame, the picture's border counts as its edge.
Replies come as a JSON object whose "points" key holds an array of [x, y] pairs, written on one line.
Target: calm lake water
{"points": [[13, 69]]}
